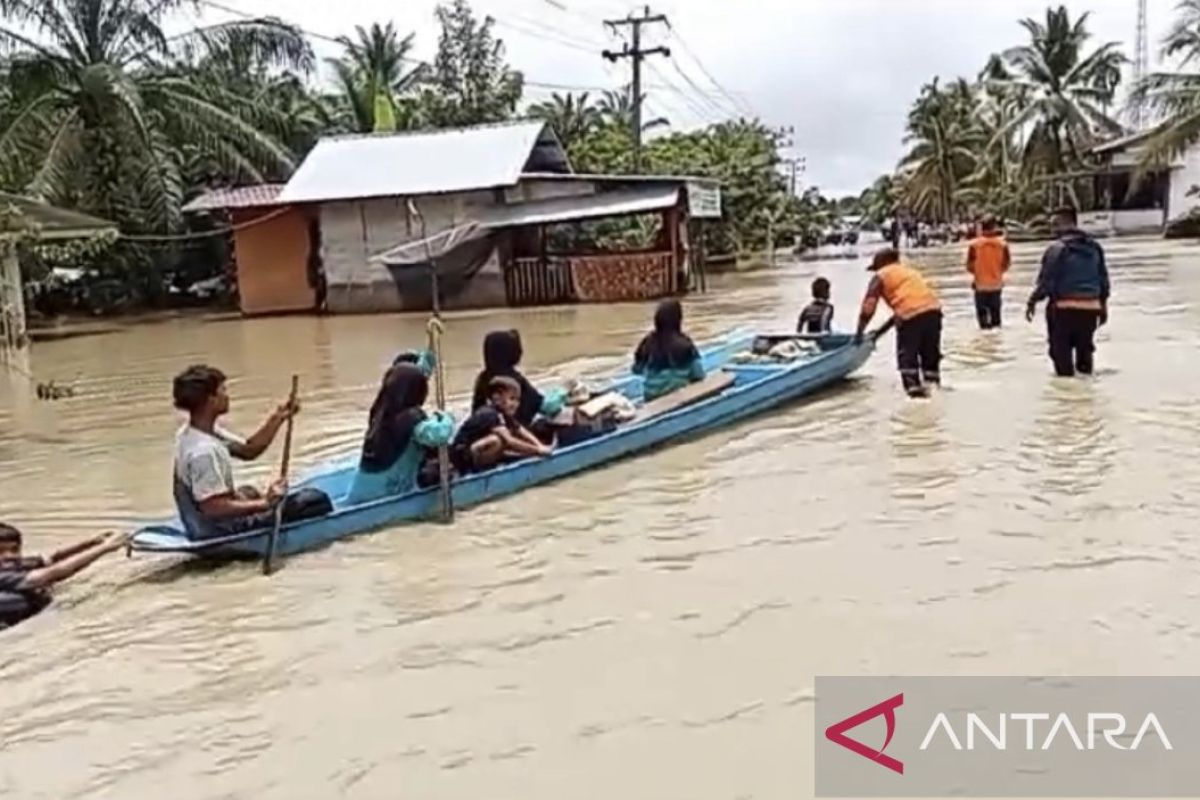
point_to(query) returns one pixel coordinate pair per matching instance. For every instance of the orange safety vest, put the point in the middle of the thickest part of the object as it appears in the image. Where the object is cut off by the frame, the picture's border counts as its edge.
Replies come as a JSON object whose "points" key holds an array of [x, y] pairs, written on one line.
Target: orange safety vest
{"points": [[991, 261], [905, 290]]}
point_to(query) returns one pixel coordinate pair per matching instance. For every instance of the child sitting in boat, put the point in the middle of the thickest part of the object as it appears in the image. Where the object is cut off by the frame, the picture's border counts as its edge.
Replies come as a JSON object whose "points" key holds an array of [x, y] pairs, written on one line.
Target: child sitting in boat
{"points": [[667, 359], [817, 316], [400, 437], [494, 434], [502, 353]]}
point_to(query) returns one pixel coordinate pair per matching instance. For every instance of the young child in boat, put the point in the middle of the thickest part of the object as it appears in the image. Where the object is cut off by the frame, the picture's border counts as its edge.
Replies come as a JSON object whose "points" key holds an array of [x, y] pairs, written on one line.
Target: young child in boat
{"points": [[666, 358], [493, 434], [817, 316], [400, 436]]}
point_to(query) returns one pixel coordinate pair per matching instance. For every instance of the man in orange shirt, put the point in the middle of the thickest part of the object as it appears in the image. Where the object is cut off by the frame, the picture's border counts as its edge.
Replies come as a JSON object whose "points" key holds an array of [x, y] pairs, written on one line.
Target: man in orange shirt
{"points": [[918, 320], [988, 258]]}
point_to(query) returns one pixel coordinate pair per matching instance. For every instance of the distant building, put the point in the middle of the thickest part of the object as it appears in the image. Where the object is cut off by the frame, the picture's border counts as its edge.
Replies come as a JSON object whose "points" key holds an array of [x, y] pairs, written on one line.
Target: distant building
{"points": [[323, 239], [1119, 197]]}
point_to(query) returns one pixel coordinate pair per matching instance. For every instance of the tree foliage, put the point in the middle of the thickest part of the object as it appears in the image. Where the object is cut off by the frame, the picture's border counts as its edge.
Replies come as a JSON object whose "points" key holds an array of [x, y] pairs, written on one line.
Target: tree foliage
{"points": [[1033, 112]]}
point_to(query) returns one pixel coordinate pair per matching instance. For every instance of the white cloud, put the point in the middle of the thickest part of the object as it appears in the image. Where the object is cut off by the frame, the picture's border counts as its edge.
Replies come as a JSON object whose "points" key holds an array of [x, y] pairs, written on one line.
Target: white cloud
{"points": [[841, 72]]}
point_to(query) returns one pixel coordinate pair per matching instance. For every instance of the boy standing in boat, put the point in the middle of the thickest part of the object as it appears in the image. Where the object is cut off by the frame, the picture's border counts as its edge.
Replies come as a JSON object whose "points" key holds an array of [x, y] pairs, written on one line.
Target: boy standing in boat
{"points": [[210, 504], [817, 316], [918, 320], [1074, 281], [988, 258]]}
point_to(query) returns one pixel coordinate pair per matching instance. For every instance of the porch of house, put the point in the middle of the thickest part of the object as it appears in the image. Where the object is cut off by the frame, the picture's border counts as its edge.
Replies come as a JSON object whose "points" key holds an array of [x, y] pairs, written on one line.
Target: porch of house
{"points": [[619, 246]]}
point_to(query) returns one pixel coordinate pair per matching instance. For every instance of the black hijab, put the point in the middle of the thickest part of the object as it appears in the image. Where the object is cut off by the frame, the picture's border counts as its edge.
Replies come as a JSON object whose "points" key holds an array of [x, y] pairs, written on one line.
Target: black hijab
{"points": [[394, 416], [667, 347], [502, 353]]}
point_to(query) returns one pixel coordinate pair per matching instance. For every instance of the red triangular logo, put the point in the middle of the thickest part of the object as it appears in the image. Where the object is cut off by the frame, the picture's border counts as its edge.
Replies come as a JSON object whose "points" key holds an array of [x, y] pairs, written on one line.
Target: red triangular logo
{"points": [[887, 709]]}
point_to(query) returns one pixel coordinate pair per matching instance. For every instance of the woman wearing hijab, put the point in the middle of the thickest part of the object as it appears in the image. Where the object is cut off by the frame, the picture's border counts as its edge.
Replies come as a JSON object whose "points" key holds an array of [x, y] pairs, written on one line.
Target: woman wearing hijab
{"points": [[400, 436], [501, 354], [667, 359]]}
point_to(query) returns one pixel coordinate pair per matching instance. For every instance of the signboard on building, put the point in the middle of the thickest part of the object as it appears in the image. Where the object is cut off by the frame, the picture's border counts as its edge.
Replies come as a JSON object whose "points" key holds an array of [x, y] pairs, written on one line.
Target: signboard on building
{"points": [[704, 200]]}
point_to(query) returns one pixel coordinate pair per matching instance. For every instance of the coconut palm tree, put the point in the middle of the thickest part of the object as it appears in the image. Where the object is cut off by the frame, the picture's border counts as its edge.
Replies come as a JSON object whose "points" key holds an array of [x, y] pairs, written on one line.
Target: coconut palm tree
{"points": [[571, 116], [107, 113], [375, 80], [1172, 99], [1068, 90], [616, 108], [945, 143]]}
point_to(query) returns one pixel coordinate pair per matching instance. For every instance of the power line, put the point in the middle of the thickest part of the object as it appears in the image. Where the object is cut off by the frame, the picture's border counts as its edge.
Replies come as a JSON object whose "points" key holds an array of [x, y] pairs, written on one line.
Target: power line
{"points": [[341, 42], [721, 110], [742, 106], [696, 108]]}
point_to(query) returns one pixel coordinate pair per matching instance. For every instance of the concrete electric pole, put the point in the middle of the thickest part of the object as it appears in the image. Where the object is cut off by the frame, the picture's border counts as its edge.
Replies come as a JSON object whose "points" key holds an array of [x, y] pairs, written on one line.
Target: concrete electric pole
{"points": [[634, 51]]}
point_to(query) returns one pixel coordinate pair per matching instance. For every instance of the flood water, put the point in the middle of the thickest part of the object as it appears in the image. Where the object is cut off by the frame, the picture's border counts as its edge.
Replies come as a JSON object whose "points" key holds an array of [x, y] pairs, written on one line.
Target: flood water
{"points": [[648, 630]]}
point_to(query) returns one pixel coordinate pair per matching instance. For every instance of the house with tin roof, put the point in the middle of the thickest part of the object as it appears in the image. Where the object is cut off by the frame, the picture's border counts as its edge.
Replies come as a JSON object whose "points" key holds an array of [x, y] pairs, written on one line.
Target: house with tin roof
{"points": [[345, 233]]}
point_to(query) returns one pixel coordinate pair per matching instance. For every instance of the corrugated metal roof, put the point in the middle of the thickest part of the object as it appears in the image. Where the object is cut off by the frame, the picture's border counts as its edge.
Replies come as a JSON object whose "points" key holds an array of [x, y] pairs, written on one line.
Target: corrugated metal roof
{"points": [[264, 194], [637, 200], [54, 222], [613, 178], [434, 162]]}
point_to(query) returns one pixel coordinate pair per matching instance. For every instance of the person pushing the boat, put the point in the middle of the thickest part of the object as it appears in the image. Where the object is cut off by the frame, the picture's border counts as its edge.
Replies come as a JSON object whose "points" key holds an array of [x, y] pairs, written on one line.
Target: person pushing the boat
{"points": [[402, 439], [502, 352], [918, 315], [817, 316], [25, 581], [666, 358], [210, 504], [493, 434], [988, 259], [1074, 282]]}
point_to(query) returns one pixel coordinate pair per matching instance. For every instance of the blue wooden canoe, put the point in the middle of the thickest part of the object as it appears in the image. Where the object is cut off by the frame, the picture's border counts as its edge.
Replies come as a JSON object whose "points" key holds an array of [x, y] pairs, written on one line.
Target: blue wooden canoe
{"points": [[755, 388]]}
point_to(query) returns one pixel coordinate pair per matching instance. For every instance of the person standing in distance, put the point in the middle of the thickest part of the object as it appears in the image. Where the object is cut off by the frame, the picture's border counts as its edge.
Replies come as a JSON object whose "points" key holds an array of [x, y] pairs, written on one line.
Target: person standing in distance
{"points": [[1074, 282], [988, 258]]}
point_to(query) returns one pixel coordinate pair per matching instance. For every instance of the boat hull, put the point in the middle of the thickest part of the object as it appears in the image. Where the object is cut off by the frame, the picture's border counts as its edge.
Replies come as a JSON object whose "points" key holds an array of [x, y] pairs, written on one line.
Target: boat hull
{"points": [[757, 388]]}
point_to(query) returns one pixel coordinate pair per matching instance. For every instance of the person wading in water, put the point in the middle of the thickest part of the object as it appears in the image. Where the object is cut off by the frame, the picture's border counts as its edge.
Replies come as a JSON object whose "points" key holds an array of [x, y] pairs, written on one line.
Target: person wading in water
{"points": [[25, 581], [1074, 281], [988, 258], [918, 320]]}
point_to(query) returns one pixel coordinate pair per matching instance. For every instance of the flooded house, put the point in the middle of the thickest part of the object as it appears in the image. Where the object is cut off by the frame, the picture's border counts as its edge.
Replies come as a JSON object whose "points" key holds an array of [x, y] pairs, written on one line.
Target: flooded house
{"points": [[1122, 195], [341, 234]]}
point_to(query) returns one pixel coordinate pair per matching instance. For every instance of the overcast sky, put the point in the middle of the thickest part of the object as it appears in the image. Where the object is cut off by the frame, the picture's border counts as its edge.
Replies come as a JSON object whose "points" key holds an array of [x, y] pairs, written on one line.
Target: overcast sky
{"points": [[841, 72]]}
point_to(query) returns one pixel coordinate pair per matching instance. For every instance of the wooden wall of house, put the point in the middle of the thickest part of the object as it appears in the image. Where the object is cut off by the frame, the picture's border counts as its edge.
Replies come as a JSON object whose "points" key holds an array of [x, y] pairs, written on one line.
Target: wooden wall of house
{"points": [[272, 262], [353, 232]]}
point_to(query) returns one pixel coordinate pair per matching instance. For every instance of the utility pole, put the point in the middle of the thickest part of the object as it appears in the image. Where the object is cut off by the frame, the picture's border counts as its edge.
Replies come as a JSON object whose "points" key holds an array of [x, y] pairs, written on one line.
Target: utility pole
{"points": [[1141, 60], [635, 52], [796, 166]]}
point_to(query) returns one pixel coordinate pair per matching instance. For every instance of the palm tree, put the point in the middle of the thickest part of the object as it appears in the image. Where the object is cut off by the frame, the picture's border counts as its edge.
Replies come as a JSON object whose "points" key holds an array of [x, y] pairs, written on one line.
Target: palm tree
{"points": [[107, 115], [616, 108], [571, 116], [1172, 99], [945, 142], [373, 80], [1069, 90]]}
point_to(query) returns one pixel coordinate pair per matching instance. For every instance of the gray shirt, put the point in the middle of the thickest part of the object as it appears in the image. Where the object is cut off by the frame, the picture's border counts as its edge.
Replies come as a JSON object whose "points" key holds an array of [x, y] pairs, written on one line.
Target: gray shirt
{"points": [[203, 470]]}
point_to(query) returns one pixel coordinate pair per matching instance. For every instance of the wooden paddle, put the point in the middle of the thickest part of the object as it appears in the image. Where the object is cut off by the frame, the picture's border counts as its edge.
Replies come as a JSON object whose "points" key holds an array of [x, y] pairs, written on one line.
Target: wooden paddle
{"points": [[273, 541]]}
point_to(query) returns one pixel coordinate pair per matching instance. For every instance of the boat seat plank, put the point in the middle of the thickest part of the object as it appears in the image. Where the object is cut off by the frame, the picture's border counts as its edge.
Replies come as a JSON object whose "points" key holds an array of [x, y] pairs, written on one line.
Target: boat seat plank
{"points": [[713, 385]]}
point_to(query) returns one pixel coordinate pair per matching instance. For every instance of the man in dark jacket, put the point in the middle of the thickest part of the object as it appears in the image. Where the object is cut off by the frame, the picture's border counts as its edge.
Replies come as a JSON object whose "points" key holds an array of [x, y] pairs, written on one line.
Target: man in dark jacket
{"points": [[1074, 279]]}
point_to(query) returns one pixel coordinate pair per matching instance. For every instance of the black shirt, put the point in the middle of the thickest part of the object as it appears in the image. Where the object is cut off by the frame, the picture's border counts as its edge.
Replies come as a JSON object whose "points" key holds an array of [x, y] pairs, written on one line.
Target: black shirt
{"points": [[483, 422], [16, 603]]}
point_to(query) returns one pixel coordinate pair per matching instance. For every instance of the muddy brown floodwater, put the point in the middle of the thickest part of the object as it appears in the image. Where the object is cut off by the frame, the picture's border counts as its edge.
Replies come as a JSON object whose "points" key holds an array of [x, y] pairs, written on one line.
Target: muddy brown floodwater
{"points": [[648, 630]]}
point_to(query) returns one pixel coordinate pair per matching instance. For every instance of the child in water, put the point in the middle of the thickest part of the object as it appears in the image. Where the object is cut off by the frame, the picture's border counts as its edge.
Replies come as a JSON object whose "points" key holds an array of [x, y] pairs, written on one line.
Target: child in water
{"points": [[493, 433], [817, 316]]}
